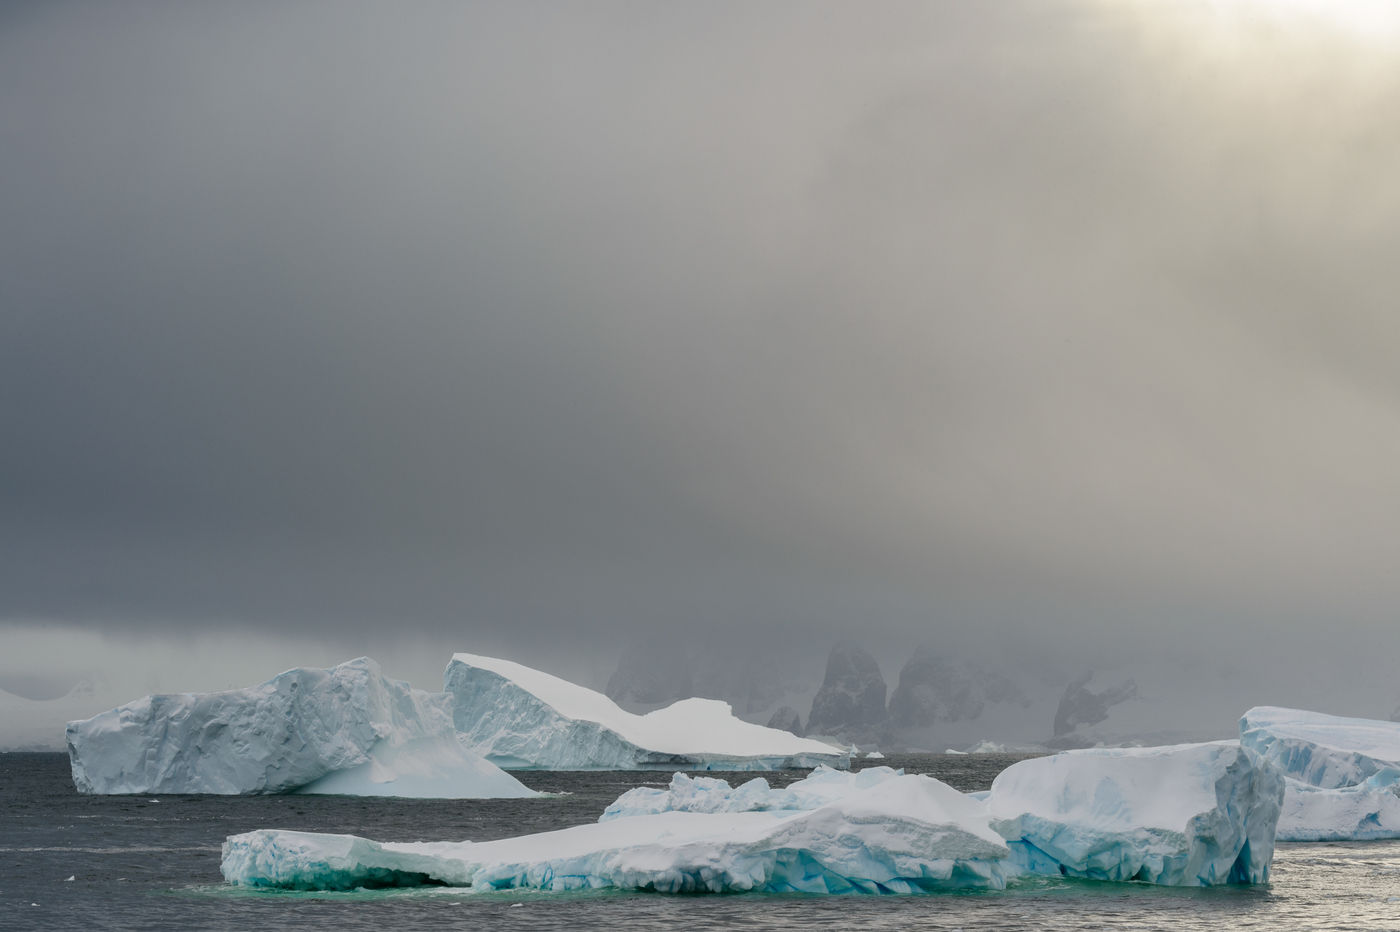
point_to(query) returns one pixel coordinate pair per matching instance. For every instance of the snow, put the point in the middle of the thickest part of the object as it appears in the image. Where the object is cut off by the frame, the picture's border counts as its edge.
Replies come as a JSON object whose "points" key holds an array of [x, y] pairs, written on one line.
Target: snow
{"points": [[1343, 773], [709, 794], [906, 834], [347, 729], [1327, 751], [1183, 815], [524, 718]]}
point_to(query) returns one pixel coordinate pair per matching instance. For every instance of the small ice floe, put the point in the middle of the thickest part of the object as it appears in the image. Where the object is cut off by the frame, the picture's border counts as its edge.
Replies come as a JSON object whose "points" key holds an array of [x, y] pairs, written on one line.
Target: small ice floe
{"points": [[70, 878]]}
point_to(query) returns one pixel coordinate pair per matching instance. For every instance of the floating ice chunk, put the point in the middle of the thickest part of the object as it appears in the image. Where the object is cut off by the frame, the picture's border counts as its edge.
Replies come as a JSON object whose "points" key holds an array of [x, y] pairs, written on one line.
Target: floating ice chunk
{"points": [[710, 794], [1184, 815], [1327, 751], [348, 729], [909, 834], [1365, 812], [523, 718]]}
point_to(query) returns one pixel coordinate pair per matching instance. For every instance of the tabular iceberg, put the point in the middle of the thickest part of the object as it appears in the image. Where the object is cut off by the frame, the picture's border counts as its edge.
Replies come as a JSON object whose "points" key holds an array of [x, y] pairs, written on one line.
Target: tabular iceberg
{"points": [[1368, 811], [347, 730], [1184, 815], [1321, 750], [1343, 773], [908, 834], [523, 718]]}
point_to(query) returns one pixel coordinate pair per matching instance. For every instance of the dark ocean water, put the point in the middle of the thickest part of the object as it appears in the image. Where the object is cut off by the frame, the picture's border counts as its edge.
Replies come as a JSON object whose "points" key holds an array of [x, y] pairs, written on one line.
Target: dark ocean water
{"points": [[153, 863]]}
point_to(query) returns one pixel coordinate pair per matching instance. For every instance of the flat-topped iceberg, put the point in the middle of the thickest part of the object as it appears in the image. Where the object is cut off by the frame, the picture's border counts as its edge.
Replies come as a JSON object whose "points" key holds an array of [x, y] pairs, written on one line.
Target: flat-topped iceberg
{"points": [[906, 834], [1368, 811], [1327, 751], [348, 730], [1343, 773], [522, 718], [1184, 815]]}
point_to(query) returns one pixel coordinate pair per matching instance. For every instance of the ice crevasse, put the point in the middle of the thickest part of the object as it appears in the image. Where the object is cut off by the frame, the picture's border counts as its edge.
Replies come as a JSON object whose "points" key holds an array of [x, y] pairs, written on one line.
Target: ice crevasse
{"points": [[522, 718], [347, 729]]}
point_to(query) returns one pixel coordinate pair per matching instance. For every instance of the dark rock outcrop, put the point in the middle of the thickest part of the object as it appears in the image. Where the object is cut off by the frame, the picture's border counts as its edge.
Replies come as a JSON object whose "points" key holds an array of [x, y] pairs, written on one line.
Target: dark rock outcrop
{"points": [[787, 719], [657, 673], [935, 689], [650, 676], [1080, 706], [852, 697]]}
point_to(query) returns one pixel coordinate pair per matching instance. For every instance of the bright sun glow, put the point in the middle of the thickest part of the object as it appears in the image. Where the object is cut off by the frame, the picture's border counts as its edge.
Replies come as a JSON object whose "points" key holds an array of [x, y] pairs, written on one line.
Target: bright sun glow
{"points": [[1363, 19]]}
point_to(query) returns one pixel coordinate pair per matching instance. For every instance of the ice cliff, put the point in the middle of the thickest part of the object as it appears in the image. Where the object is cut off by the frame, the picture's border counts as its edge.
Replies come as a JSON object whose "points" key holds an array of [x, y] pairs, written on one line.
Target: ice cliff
{"points": [[347, 729], [1343, 774], [523, 718], [1327, 751], [1184, 815]]}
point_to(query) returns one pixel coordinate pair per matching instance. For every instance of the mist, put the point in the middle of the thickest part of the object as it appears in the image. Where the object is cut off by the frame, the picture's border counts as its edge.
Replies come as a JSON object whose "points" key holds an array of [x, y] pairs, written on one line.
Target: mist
{"points": [[1052, 333]]}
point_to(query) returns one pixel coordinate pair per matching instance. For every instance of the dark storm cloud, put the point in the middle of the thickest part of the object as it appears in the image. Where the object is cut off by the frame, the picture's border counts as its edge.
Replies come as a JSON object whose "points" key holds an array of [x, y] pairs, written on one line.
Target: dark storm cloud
{"points": [[529, 317]]}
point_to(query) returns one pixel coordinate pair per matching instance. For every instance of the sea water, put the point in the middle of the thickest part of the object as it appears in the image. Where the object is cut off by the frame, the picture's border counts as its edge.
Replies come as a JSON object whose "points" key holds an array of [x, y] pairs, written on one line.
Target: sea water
{"points": [[152, 862]]}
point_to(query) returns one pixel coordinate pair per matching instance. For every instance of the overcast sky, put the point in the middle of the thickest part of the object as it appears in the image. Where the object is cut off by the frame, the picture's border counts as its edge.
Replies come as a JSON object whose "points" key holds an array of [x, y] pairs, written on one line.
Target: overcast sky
{"points": [[528, 326]]}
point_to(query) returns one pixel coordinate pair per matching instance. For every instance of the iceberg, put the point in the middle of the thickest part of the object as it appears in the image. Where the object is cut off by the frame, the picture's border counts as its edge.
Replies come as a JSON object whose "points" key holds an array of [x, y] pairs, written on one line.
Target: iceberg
{"points": [[1369, 811], [1343, 774], [1327, 751], [905, 834], [522, 718], [1182, 815], [347, 729]]}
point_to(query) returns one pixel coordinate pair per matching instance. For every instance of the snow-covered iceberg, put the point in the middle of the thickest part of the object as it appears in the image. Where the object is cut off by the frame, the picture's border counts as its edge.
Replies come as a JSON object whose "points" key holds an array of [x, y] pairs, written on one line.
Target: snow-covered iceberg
{"points": [[1183, 815], [1327, 751], [522, 718], [710, 794], [907, 834], [1343, 773], [347, 730], [1366, 812]]}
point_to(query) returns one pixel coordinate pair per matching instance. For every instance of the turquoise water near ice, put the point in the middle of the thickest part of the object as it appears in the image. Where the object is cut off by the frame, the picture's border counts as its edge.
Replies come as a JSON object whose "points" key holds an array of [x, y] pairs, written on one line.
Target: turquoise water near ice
{"points": [[139, 863]]}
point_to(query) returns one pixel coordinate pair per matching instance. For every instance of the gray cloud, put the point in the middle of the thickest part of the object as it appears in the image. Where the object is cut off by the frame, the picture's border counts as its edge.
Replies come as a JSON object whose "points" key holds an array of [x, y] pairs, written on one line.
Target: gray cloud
{"points": [[1054, 320]]}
